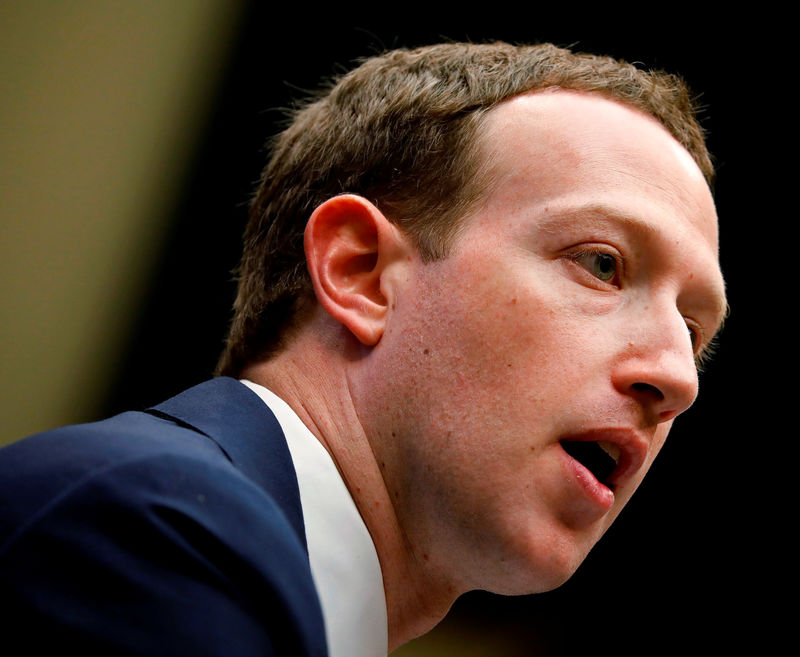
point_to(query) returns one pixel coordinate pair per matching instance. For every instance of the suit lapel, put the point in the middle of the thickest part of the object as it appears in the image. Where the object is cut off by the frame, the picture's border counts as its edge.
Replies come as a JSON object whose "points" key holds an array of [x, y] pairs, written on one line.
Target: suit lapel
{"points": [[245, 428]]}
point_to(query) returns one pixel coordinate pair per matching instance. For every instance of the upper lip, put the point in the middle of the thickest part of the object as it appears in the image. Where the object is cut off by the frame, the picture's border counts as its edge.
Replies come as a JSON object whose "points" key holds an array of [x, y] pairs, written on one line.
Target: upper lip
{"points": [[632, 446]]}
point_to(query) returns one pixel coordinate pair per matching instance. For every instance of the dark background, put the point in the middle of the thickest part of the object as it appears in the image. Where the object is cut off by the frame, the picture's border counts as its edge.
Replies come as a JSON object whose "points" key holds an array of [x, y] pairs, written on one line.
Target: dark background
{"points": [[696, 559]]}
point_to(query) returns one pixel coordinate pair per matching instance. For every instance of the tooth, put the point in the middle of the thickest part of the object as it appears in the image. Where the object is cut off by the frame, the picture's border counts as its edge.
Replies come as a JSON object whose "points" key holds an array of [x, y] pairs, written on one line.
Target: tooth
{"points": [[611, 449]]}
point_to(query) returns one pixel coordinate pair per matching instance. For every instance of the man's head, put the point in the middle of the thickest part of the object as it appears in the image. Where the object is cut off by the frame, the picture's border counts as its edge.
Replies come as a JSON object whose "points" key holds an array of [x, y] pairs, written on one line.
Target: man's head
{"points": [[402, 130], [564, 324], [474, 338]]}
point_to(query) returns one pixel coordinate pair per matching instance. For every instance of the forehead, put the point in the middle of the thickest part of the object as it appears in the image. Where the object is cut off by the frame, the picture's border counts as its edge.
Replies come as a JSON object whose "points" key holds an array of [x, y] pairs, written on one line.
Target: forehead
{"points": [[558, 147], [555, 152]]}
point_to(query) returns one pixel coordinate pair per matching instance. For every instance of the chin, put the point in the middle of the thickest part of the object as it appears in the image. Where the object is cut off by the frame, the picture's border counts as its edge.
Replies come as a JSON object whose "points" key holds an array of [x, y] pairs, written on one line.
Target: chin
{"points": [[544, 570], [524, 584]]}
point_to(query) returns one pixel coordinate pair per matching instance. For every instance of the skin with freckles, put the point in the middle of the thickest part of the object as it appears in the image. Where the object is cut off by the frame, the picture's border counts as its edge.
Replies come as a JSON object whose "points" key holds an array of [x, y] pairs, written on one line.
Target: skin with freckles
{"points": [[572, 306]]}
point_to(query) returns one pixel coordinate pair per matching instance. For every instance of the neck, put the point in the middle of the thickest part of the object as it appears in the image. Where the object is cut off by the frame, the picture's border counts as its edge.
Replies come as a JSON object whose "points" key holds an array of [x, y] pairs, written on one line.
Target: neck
{"points": [[315, 384]]}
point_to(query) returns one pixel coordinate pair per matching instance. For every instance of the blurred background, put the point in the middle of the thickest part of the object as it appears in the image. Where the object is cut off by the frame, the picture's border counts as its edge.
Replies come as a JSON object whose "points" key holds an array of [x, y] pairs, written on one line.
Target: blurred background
{"points": [[131, 136]]}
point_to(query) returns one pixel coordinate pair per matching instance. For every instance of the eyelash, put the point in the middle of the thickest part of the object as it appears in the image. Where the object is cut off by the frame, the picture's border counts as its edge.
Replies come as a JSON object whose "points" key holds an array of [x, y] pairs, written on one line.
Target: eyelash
{"points": [[703, 353]]}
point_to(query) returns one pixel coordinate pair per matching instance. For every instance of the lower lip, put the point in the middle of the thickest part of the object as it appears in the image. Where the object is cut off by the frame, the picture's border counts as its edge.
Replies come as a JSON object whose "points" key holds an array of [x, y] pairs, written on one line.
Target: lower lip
{"points": [[601, 495]]}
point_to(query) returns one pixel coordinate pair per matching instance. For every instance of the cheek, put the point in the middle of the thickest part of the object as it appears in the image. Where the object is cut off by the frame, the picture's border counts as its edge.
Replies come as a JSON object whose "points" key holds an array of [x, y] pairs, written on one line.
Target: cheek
{"points": [[515, 336], [659, 439]]}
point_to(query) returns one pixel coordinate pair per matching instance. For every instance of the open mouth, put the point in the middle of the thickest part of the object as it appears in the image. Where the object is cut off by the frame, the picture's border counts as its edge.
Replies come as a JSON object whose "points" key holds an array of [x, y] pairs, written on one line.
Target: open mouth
{"points": [[597, 457]]}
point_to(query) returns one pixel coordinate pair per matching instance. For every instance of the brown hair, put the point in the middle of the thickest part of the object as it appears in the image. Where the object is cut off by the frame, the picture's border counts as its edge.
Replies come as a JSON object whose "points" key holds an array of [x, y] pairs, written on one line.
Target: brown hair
{"points": [[401, 131]]}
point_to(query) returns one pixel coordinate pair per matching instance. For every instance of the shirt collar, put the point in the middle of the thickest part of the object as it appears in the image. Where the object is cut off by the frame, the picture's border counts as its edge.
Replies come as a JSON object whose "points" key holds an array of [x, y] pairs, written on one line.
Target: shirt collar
{"points": [[344, 563]]}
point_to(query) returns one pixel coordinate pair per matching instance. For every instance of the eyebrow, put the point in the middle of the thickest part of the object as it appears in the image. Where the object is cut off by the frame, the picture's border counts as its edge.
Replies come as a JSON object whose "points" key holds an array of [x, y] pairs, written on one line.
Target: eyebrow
{"points": [[585, 213]]}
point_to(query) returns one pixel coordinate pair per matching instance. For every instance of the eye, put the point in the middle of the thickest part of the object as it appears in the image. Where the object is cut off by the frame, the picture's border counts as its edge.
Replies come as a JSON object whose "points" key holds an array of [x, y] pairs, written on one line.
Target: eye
{"points": [[694, 336], [702, 353], [602, 265]]}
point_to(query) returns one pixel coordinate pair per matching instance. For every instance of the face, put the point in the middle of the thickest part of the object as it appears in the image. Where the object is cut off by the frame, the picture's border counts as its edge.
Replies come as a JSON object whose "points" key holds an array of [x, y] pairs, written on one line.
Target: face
{"points": [[561, 330]]}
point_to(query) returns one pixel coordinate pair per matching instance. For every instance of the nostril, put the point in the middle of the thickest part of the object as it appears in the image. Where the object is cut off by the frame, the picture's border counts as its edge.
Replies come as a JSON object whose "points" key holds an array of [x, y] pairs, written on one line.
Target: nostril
{"points": [[648, 389]]}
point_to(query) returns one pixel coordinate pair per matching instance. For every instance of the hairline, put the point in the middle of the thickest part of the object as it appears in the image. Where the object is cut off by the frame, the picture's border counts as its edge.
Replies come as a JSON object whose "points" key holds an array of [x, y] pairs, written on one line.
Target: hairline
{"points": [[483, 181]]}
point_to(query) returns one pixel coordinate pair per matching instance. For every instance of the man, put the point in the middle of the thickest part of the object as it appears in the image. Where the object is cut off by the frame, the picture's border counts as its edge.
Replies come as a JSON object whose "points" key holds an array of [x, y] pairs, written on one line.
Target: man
{"points": [[476, 283]]}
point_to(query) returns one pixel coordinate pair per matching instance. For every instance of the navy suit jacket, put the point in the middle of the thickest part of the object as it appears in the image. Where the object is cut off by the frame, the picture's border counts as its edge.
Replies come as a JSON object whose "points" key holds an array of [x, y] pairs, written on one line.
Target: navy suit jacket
{"points": [[174, 531]]}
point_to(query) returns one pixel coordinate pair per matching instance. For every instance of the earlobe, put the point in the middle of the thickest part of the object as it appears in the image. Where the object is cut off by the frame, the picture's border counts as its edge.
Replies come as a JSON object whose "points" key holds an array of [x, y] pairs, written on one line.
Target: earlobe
{"points": [[349, 243]]}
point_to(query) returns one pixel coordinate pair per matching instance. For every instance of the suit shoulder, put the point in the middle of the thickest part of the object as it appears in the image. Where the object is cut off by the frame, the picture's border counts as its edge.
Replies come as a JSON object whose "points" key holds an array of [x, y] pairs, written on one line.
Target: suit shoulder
{"points": [[42, 467], [140, 509]]}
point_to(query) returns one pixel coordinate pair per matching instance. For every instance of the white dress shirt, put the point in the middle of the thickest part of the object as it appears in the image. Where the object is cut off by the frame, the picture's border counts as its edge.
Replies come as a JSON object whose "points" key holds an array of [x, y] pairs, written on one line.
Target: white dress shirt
{"points": [[344, 563]]}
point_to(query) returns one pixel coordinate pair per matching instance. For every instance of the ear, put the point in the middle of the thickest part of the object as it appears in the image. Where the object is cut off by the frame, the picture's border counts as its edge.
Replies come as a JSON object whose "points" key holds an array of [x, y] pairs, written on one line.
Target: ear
{"points": [[349, 246]]}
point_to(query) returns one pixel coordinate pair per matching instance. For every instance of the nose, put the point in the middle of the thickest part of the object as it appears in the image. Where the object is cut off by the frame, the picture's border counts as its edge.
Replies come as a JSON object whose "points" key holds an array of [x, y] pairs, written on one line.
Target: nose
{"points": [[657, 368]]}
